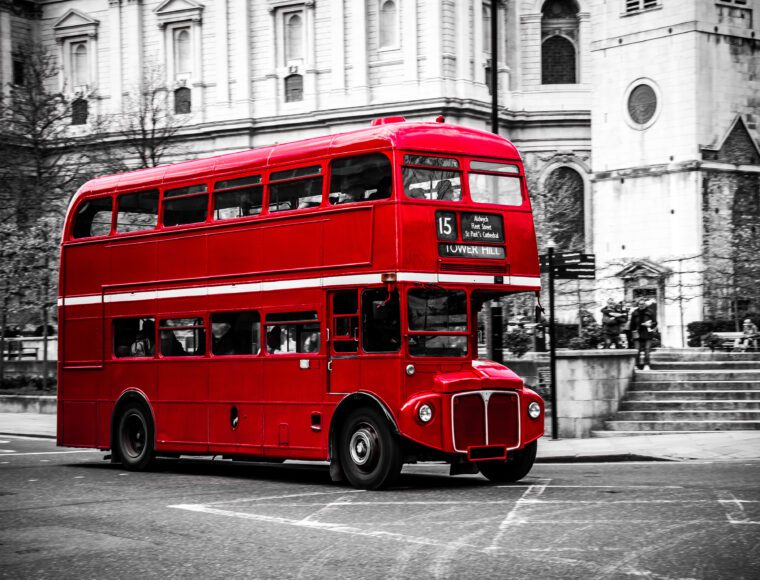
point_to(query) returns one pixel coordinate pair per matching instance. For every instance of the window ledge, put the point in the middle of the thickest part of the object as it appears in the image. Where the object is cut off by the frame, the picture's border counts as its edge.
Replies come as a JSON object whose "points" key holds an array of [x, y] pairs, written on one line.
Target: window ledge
{"points": [[641, 11]]}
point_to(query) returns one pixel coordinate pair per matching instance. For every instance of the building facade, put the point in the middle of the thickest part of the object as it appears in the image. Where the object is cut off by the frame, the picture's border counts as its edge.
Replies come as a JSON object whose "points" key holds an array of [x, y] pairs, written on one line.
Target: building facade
{"points": [[642, 112]]}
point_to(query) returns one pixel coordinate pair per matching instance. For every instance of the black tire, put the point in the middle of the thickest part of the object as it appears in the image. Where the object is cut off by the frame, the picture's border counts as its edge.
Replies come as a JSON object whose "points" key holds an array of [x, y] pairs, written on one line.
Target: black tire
{"points": [[133, 439], [514, 469], [370, 453]]}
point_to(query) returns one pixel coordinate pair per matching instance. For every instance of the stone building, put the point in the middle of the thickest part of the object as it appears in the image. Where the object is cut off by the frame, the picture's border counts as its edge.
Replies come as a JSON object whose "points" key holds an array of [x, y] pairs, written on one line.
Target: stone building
{"points": [[642, 112]]}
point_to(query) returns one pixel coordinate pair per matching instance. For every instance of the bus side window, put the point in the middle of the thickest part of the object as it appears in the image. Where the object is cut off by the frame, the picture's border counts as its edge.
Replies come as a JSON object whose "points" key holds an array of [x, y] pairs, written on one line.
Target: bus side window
{"points": [[134, 337], [235, 333], [236, 198], [381, 321], [292, 332], [297, 189], [185, 205], [137, 211], [93, 218], [182, 337], [361, 178], [345, 320]]}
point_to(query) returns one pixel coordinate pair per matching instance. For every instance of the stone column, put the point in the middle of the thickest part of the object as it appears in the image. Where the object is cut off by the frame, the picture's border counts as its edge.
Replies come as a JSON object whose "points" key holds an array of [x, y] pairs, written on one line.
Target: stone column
{"points": [[241, 54], [133, 41], [359, 77], [337, 47], [433, 69], [114, 39], [409, 44], [222, 61], [310, 58]]}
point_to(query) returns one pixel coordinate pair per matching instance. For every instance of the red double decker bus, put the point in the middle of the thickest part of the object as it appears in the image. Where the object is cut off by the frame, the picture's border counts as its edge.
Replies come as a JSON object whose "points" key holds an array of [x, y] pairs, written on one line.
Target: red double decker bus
{"points": [[311, 300]]}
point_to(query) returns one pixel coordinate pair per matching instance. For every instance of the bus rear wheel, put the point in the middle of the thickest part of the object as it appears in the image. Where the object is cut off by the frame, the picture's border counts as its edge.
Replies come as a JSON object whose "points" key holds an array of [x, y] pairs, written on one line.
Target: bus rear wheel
{"points": [[514, 469], [134, 437], [370, 453]]}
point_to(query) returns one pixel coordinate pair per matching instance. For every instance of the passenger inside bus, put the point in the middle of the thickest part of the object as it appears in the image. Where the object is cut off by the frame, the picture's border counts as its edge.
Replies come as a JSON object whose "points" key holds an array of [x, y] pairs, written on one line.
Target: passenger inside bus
{"points": [[143, 343], [222, 339]]}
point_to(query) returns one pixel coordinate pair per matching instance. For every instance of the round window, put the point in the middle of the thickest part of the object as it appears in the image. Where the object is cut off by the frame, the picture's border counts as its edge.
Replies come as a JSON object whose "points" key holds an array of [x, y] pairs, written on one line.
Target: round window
{"points": [[642, 104]]}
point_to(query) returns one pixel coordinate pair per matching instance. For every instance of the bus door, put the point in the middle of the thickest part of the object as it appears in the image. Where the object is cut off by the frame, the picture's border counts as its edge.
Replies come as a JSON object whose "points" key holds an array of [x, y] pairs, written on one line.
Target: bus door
{"points": [[343, 363], [294, 384]]}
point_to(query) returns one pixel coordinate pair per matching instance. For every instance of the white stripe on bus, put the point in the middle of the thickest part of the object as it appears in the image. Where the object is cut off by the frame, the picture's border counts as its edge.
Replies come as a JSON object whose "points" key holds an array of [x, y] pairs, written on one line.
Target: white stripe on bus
{"points": [[354, 279]]}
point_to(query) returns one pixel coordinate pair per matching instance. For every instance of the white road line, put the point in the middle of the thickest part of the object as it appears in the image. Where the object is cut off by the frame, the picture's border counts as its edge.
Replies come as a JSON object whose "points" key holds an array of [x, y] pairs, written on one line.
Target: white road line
{"points": [[288, 496], [3, 442], [324, 526], [7, 451], [343, 500], [55, 452], [512, 518], [601, 486], [735, 508]]}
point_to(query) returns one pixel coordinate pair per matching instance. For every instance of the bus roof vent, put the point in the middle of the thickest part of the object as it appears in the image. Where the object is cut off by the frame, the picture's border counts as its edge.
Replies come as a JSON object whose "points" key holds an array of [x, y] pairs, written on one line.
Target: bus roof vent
{"points": [[387, 120]]}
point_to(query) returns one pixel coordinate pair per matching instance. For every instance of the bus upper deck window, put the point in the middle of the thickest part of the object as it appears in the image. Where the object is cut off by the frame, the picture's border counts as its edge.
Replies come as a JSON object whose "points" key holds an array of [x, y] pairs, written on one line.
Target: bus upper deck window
{"points": [[185, 205], [137, 211], [432, 178], [93, 218], [296, 190], [236, 198], [495, 183], [360, 178]]}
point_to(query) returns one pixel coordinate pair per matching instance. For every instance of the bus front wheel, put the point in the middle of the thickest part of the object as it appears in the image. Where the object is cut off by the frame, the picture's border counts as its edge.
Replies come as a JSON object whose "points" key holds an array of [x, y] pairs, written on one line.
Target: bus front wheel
{"points": [[134, 437], [370, 453], [514, 469]]}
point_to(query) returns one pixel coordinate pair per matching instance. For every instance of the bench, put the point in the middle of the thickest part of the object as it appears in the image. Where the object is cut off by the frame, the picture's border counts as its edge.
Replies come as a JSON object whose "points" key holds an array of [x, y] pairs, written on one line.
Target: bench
{"points": [[729, 340]]}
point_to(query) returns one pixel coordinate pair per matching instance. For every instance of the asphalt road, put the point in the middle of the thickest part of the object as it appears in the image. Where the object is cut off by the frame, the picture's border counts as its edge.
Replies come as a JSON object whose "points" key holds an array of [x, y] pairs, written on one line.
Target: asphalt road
{"points": [[69, 514]]}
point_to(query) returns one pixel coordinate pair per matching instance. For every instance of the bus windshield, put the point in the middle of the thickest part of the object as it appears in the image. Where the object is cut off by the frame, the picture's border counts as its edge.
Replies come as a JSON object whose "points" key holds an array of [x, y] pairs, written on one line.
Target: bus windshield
{"points": [[437, 322]]}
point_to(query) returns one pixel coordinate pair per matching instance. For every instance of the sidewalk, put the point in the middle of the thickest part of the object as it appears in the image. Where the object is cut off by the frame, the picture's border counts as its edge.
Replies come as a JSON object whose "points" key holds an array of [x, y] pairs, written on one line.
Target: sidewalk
{"points": [[721, 445]]}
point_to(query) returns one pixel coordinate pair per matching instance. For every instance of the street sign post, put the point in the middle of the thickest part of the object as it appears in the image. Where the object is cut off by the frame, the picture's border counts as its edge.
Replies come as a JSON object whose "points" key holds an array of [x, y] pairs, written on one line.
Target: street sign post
{"points": [[563, 266]]}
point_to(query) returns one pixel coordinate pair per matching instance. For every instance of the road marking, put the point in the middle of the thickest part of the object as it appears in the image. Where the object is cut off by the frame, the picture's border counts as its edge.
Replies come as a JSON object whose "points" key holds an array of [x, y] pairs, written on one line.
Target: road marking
{"points": [[7, 451], [2, 442], [79, 477], [324, 526], [342, 500], [600, 486], [512, 518], [56, 452], [288, 496], [735, 508], [30, 480]]}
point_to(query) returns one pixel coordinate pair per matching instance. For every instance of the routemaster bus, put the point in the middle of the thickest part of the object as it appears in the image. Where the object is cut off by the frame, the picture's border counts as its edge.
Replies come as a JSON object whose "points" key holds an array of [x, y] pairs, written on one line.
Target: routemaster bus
{"points": [[314, 300]]}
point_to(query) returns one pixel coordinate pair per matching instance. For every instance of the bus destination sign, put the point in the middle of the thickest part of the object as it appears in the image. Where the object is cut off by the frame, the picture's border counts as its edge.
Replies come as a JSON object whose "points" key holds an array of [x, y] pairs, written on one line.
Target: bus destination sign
{"points": [[482, 227], [471, 251]]}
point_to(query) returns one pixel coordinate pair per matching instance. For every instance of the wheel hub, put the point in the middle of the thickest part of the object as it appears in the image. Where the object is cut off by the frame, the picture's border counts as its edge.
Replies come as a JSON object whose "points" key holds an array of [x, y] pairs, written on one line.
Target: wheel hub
{"points": [[362, 446]]}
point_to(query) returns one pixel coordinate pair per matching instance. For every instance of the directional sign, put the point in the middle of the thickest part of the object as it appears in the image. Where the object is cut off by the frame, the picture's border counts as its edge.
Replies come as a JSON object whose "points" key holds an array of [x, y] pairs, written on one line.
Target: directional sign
{"points": [[571, 266]]}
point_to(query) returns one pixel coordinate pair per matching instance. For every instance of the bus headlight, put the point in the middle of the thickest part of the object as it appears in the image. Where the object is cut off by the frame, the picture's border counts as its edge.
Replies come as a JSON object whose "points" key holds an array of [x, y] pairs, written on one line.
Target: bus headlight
{"points": [[425, 413], [534, 410]]}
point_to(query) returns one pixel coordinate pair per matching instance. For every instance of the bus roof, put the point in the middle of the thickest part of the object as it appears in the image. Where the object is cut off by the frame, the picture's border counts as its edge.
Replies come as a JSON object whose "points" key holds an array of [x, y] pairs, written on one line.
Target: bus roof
{"points": [[420, 136]]}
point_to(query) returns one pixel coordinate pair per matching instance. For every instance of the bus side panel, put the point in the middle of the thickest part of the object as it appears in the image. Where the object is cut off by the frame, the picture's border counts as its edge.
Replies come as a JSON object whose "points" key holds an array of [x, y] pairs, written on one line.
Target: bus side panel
{"points": [[522, 253], [133, 262], [348, 239], [182, 405], [79, 392], [182, 258], [232, 252], [84, 272]]}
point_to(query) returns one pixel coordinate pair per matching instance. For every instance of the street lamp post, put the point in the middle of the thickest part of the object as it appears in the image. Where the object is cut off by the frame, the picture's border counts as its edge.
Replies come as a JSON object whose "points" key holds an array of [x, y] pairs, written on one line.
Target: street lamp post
{"points": [[551, 246]]}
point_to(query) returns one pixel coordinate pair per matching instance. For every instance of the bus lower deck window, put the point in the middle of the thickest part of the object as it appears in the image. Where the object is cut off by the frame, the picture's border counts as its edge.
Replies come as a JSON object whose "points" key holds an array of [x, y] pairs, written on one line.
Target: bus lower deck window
{"points": [[134, 337], [381, 326], [292, 332], [235, 333], [182, 337]]}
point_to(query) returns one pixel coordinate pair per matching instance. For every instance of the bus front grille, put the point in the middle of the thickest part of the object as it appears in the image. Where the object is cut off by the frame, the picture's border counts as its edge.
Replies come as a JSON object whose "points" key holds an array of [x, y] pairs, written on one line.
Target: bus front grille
{"points": [[485, 418]]}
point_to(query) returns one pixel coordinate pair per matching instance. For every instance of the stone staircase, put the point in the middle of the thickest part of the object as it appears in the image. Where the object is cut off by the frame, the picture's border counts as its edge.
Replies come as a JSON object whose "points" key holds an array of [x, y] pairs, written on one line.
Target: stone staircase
{"points": [[690, 390]]}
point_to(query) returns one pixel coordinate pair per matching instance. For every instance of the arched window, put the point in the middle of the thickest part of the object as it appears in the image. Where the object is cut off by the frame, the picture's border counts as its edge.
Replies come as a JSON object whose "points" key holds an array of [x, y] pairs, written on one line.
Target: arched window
{"points": [[557, 61], [293, 37], [388, 24], [79, 65], [182, 101], [182, 60], [563, 193], [293, 88], [79, 111], [559, 30]]}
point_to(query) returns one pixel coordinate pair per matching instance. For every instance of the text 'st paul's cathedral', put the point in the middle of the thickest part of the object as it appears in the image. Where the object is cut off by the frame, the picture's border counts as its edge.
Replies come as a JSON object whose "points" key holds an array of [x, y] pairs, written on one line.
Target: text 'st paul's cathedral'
{"points": [[637, 119]]}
